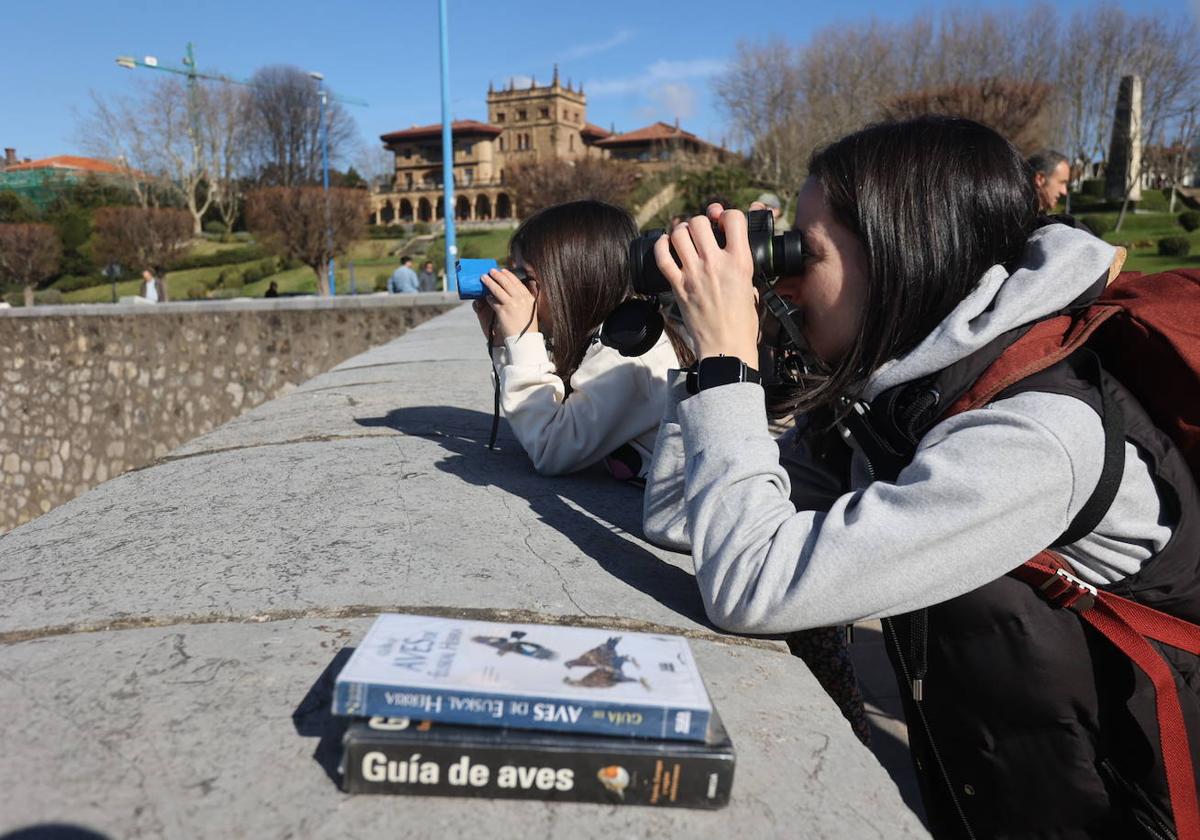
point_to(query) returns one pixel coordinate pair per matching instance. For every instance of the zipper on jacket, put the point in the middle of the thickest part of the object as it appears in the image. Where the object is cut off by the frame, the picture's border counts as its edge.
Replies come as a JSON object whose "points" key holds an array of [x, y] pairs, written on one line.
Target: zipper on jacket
{"points": [[889, 627], [849, 439]]}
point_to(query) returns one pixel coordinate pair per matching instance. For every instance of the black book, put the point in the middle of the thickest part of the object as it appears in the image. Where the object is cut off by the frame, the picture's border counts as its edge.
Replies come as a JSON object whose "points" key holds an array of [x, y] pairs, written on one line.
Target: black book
{"points": [[422, 758]]}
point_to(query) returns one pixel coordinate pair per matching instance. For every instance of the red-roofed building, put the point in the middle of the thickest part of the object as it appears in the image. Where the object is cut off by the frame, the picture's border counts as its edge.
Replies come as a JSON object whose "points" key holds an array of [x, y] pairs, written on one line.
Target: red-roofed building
{"points": [[40, 180], [68, 163], [661, 146], [525, 125]]}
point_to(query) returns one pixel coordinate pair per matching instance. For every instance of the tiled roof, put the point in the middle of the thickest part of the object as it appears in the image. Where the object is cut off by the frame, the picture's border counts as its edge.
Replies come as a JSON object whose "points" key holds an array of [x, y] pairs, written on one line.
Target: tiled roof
{"points": [[83, 164], [459, 128], [651, 133], [593, 130]]}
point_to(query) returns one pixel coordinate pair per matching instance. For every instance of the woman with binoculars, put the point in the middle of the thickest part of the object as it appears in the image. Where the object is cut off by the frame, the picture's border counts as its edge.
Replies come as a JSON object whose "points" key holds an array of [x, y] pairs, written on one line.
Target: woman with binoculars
{"points": [[924, 260], [570, 400]]}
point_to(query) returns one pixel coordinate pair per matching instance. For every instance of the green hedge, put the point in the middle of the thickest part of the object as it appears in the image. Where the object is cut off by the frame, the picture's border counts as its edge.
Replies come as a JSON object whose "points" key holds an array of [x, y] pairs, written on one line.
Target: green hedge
{"points": [[245, 253], [386, 232], [1153, 200], [1174, 246], [1189, 220], [74, 282], [1092, 187], [1100, 225]]}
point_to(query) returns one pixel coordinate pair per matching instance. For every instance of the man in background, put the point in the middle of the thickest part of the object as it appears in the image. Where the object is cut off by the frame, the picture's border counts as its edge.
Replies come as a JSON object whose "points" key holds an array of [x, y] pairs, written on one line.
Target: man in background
{"points": [[153, 288], [771, 201], [404, 279], [1051, 173], [427, 278]]}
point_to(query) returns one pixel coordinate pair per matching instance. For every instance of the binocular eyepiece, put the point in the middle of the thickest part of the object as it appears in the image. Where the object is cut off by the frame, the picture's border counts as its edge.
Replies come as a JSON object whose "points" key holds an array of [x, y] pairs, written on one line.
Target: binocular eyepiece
{"points": [[775, 254]]}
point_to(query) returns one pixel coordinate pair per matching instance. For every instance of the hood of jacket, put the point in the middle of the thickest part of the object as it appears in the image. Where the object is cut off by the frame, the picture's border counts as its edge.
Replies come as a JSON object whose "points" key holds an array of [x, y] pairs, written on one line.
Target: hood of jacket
{"points": [[1060, 263]]}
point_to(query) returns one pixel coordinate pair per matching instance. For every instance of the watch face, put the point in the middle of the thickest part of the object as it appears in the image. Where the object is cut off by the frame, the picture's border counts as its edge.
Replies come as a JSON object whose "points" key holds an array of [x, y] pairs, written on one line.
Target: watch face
{"points": [[719, 370]]}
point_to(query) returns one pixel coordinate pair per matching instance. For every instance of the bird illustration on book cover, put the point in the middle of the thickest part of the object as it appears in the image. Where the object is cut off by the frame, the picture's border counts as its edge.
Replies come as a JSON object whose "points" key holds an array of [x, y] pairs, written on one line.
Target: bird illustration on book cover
{"points": [[608, 667], [515, 643]]}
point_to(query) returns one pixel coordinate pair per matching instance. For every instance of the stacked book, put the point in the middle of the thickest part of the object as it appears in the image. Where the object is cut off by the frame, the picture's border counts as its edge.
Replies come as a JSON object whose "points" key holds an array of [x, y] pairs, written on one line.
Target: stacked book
{"points": [[446, 707]]}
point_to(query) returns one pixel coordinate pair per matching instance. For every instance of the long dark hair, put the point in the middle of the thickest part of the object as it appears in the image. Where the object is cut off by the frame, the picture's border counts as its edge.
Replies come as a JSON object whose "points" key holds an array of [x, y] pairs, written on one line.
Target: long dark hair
{"points": [[579, 251], [935, 201]]}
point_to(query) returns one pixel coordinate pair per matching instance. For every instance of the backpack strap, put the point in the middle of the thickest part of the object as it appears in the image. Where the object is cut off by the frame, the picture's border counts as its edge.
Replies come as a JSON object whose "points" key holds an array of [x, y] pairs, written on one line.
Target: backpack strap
{"points": [[1129, 626], [1102, 497]]}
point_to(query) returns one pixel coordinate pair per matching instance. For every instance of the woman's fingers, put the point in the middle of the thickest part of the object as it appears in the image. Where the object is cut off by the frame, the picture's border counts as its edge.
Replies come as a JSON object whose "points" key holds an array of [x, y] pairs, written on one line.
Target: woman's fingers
{"points": [[498, 293], [511, 284], [685, 249], [737, 239], [667, 265]]}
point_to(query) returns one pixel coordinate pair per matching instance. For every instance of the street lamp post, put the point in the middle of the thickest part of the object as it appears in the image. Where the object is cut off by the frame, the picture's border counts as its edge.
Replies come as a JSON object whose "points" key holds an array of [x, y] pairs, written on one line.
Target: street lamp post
{"points": [[447, 154], [324, 130]]}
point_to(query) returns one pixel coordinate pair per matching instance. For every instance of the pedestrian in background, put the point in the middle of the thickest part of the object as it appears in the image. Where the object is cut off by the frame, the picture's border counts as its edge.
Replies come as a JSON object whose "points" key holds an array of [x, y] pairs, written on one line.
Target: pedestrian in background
{"points": [[153, 288], [427, 278], [1051, 172], [404, 279]]}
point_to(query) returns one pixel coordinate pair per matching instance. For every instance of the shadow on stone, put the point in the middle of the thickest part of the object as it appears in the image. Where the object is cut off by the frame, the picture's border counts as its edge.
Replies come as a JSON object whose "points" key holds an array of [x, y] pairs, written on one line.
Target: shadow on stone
{"points": [[558, 501], [313, 718], [54, 831]]}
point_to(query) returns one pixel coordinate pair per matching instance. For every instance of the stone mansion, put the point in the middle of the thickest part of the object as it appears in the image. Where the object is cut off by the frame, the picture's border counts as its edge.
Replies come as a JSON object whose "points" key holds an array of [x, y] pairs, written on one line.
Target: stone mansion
{"points": [[524, 125]]}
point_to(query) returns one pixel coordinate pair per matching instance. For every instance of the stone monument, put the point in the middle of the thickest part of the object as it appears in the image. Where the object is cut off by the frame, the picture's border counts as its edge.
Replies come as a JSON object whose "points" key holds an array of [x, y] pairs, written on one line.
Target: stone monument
{"points": [[1124, 168]]}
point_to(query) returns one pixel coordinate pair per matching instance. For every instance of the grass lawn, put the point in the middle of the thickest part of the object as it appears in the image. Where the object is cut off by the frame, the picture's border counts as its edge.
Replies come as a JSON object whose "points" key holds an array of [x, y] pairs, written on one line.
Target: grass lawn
{"points": [[203, 247], [1140, 234], [481, 244], [178, 282]]}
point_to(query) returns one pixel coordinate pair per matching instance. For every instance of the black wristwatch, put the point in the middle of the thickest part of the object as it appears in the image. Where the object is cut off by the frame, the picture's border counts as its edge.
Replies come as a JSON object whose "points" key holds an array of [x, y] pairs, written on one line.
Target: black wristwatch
{"points": [[714, 371]]}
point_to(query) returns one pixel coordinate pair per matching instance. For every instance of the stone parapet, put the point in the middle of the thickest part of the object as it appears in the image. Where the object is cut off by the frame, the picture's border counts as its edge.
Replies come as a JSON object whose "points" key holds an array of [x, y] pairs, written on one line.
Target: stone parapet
{"points": [[88, 392], [166, 639]]}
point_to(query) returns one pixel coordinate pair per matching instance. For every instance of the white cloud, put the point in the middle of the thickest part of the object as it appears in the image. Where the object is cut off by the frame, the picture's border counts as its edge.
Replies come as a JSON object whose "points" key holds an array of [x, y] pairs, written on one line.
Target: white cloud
{"points": [[519, 81], [658, 75], [584, 50], [676, 99]]}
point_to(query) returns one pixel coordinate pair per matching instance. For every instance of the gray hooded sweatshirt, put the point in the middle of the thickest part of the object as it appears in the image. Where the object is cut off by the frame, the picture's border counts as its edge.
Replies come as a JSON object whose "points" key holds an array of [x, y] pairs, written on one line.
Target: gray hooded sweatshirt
{"points": [[779, 546]]}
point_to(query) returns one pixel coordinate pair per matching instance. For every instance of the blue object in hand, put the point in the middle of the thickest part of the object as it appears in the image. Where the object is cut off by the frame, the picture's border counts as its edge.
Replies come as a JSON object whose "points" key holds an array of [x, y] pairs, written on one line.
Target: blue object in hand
{"points": [[469, 272]]}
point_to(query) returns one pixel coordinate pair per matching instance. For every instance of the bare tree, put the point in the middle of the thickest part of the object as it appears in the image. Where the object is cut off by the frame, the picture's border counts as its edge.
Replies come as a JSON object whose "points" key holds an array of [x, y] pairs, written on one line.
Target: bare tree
{"points": [[140, 238], [283, 117], [114, 131], [784, 100], [160, 133], [1183, 152], [227, 138], [1016, 109], [377, 165], [29, 253], [761, 96], [538, 185], [308, 224]]}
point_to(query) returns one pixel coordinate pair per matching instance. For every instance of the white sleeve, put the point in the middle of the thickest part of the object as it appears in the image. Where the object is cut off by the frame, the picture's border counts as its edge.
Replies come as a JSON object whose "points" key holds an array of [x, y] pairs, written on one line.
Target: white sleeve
{"points": [[613, 400]]}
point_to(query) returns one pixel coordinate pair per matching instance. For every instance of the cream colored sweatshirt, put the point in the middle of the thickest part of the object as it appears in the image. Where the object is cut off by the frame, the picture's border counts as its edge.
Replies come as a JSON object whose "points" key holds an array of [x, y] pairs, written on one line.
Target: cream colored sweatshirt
{"points": [[614, 400]]}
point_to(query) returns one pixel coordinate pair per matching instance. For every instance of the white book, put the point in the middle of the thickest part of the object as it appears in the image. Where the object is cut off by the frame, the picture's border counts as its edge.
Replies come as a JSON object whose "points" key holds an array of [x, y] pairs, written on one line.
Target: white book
{"points": [[527, 676]]}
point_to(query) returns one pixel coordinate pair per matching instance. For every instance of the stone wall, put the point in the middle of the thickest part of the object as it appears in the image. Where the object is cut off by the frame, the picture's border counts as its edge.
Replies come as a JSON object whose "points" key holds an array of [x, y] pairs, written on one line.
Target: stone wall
{"points": [[88, 392]]}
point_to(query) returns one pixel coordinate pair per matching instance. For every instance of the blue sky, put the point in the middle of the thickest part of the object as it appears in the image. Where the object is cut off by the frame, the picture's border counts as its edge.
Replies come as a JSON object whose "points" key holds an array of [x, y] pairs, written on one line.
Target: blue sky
{"points": [[638, 61]]}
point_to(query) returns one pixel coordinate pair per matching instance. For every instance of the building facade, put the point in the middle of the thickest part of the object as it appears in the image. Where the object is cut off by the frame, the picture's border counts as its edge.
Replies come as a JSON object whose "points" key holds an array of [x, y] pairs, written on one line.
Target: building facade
{"points": [[525, 125]]}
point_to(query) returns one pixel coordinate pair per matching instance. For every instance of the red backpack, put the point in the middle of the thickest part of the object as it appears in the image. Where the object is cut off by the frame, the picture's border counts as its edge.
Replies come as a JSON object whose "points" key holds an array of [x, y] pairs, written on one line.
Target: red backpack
{"points": [[1146, 331]]}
